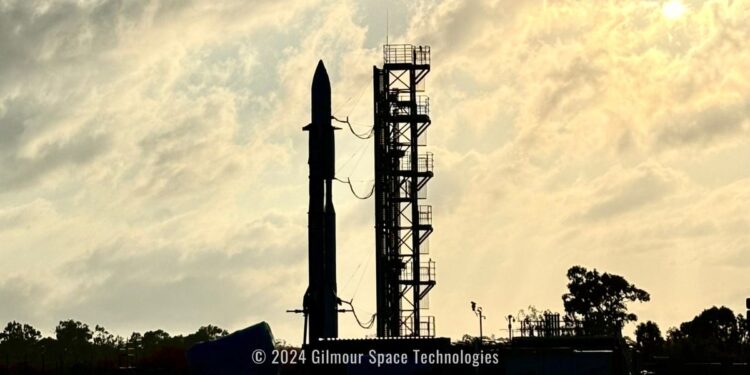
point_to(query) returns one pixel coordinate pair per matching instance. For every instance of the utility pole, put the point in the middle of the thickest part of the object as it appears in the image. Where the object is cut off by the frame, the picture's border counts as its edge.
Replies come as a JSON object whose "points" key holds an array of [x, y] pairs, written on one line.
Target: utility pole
{"points": [[478, 312], [510, 320]]}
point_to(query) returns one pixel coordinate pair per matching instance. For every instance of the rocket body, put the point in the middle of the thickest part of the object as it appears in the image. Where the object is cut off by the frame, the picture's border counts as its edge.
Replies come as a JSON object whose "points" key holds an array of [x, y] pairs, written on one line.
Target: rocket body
{"points": [[321, 301]]}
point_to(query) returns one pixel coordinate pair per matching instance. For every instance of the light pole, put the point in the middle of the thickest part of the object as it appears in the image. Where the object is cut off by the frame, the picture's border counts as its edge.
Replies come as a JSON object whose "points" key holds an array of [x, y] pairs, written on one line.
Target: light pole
{"points": [[510, 319], [478, 312]]}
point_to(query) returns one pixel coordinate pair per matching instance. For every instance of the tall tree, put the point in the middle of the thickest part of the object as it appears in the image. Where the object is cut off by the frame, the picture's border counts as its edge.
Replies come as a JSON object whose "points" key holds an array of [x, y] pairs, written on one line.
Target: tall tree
{"points": [[73, 332], [716, 323], [17, 333], [742, 324], [18, 340], [713, 335], [102, 337], [154, 339], [600, 299], [648, 338], [206, 333], [74, 339]]}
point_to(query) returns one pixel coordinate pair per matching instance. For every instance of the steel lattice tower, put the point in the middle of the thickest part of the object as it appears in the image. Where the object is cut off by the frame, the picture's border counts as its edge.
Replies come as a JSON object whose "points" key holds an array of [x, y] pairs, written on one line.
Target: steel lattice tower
{"points": [[402, 224]]}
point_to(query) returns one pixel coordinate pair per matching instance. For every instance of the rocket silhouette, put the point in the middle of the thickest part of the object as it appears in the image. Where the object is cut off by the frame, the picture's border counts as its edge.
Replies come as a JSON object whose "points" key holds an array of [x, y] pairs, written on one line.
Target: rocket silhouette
{"points": [[320, 300]]}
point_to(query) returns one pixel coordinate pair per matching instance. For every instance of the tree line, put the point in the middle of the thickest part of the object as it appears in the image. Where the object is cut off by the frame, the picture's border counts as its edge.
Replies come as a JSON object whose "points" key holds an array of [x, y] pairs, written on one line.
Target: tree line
{"points": [[596, 302], [714, 335], [600, 301], [76, 348]]}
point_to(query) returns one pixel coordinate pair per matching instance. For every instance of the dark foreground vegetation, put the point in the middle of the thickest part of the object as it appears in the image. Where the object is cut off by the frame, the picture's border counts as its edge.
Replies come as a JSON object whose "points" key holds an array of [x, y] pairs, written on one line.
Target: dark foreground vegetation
{"points": [[78, 349], [716, 335], [715, 340]]}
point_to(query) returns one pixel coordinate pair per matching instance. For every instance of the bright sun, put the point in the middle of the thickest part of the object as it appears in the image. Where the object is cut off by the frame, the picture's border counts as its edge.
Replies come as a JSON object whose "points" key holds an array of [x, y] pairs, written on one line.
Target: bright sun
{"points": [[673, 9]]}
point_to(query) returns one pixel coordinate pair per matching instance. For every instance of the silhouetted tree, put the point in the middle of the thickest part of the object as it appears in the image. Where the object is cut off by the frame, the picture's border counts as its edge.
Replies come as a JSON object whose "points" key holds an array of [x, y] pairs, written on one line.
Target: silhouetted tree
{"points": [[101, 337], [600, 299], [135, 339], [467, 341], [154, 339], [77, 349], [17, 333], [674, 334], [161, 351], [648, 339], [742, 324], [718, 324], [713, 335], [46, 355], [74, 340], [71, 332], [532, 313], [105, 347], [206, 333], [17, 342]]}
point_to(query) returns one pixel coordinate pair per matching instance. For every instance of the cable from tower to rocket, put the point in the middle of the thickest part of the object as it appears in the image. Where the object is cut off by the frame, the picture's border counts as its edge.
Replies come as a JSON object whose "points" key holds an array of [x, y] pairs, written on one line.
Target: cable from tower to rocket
{"points": [[349, 182], [366, 325], [366, 136]]}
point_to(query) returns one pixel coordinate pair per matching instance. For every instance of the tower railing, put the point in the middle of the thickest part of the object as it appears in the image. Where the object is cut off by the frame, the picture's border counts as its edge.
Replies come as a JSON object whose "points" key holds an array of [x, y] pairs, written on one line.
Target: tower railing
{"points": [[427, 326], [553, 325], [426, 271], [402, 107], [425, 214], [406, 54], [425, 162], [423, 105]]}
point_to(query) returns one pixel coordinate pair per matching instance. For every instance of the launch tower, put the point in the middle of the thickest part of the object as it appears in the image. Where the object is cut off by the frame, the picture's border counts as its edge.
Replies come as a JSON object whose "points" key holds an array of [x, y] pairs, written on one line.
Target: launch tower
{"points": [[403, 223]]}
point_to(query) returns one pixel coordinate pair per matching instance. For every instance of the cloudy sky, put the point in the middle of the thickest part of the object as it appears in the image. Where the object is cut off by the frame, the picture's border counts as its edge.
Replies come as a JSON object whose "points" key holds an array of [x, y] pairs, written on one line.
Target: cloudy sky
{"points": [[153, 169]]}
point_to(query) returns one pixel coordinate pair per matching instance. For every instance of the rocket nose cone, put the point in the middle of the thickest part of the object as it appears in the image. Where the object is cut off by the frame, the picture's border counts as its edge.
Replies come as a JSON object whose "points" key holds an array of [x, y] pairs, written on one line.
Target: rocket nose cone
{"points": [[321, 75], [321, 96], [321, 68]]}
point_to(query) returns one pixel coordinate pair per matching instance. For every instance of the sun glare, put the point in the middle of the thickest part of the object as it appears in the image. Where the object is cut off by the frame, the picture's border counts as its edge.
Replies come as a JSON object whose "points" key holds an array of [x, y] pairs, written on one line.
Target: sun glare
{"points": [[673, 9]]}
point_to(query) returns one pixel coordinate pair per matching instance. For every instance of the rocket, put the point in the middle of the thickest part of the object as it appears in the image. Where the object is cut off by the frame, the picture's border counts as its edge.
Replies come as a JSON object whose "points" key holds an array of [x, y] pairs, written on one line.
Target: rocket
{"points": [[320, 301]]}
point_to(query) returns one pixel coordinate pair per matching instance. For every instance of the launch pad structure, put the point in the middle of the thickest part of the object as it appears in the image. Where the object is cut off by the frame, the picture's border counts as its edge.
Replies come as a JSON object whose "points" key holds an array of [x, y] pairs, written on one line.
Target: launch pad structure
{"points": [[405, 274], [403, 223]]}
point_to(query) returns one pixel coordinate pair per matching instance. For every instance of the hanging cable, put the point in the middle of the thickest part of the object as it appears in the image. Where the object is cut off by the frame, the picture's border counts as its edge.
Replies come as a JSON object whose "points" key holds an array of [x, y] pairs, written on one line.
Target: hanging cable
{"points": [[359, 159], [349, 182], [357, 154], [345, 103], [367, 136], [354, 106], [366, 325], [361, 276], [351, 277], [362, 92]]}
